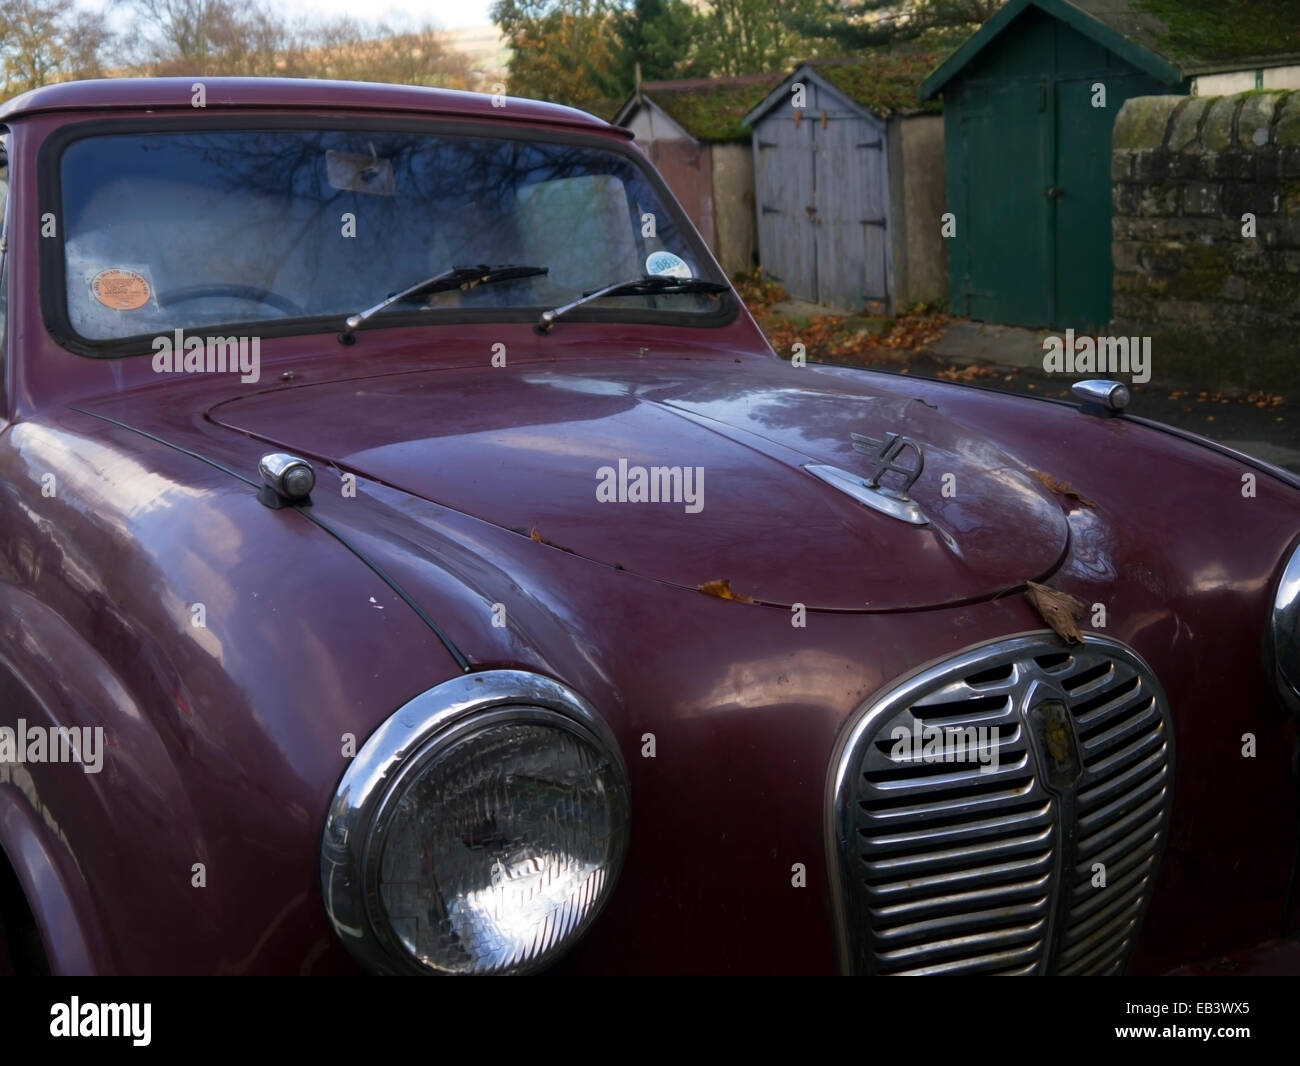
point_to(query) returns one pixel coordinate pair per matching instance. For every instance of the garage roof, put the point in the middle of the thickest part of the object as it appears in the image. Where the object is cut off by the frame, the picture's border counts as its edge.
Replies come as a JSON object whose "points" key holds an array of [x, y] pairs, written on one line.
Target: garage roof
{"points": [[882, 81], [709, 109], [1171, 40]]}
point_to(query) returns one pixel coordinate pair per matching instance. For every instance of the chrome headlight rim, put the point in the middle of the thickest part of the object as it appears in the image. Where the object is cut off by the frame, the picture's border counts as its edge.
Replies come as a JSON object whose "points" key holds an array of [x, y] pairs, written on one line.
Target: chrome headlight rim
{"points": [[1284, 640], [361, 808]]}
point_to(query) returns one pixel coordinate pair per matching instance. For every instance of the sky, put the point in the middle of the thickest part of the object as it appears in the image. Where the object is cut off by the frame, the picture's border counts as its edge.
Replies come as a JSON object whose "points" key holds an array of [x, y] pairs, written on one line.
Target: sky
{"points": [[447, 14]]}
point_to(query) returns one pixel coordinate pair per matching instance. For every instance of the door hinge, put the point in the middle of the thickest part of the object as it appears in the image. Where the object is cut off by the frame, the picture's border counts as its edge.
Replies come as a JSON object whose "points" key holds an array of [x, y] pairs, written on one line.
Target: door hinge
{"points": [[874, 222], [767, 144], [771, 210], [869, 144]]}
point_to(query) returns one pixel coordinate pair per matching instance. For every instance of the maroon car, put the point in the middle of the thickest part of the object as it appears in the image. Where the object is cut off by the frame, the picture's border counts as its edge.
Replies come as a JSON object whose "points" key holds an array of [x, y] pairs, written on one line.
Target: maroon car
{"points": [[414, 559]]}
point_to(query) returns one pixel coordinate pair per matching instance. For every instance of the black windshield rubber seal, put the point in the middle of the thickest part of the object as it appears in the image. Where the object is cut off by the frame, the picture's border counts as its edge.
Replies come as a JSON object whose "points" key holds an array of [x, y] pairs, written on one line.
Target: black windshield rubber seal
{"points": [[53, 278]]}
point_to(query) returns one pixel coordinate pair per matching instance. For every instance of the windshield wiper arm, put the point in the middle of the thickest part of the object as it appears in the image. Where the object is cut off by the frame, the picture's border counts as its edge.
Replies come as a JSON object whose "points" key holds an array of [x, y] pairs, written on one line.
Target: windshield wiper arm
{"points": [[656, 285], [457, 277]]}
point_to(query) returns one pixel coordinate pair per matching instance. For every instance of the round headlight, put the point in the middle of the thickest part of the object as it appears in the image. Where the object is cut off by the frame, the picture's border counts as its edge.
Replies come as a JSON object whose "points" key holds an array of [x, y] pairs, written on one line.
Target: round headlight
{"points": [[1286, 631], [479, 832]]}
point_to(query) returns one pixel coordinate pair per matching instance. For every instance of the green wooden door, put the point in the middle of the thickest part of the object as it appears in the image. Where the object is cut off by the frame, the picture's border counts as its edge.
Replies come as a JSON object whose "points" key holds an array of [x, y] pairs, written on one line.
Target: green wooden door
{"points": [[1027, 137], [1081, 188], [1003, 219]]}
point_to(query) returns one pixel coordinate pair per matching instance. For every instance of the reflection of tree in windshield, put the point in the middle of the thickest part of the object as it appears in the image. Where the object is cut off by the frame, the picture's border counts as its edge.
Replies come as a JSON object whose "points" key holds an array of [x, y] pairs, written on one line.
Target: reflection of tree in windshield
{"points": [[266, 209]]}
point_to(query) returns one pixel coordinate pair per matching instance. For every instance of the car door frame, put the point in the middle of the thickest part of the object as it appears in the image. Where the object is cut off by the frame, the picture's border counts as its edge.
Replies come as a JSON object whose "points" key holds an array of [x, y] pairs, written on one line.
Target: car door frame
{"points": [[6, 303]]}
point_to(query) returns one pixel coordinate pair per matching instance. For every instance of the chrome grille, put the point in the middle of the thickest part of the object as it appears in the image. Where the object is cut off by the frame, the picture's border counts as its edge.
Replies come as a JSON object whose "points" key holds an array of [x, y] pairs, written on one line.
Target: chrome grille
{"points": [[976, 854]]}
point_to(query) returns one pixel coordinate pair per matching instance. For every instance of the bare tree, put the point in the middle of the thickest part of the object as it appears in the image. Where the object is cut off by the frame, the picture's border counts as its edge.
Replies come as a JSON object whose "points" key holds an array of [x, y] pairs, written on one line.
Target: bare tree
{"points": [[347, 50], [43, 41], [208, 37]]}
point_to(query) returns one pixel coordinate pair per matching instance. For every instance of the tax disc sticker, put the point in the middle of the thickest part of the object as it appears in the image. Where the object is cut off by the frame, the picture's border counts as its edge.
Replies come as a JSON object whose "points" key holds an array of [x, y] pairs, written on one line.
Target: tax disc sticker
{"points": [[665, 263], [120, 290]]}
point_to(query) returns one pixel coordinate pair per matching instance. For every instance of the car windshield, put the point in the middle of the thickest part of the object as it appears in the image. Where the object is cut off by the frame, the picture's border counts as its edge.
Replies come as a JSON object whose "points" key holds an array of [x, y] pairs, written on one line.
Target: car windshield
{"points": [[177, 229]]}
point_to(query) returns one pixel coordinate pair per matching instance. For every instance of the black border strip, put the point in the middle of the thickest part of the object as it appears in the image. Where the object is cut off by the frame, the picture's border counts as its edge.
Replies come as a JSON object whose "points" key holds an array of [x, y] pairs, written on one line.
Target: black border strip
{"points": [[53, 278]]}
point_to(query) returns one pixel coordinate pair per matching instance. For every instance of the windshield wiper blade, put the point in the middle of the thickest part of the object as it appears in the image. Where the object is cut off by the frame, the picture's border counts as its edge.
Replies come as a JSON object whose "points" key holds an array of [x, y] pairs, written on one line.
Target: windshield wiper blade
{"points": [[457, 277], [650, 285]]}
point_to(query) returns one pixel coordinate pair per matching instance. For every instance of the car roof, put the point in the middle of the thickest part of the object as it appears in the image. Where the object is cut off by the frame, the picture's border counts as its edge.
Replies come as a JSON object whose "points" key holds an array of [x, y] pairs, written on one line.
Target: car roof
{"points": [[165, 94]]}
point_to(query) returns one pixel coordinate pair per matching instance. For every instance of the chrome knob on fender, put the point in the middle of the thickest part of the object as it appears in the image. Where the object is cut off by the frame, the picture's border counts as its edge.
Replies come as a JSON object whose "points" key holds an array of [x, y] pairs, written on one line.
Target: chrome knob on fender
{"points": [[1112, 396], [288, 476]]}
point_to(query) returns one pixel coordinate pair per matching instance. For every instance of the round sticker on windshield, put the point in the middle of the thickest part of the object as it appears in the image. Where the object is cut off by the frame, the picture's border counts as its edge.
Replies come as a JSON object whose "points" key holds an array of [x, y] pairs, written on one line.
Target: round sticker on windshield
{"points": [[120, 290], [668, 265]]}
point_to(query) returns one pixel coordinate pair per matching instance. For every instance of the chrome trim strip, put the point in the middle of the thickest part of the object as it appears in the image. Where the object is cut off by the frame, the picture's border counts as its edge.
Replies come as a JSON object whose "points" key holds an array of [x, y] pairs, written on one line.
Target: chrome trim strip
{"points": [[415, 732], [886, 501], [1286, 631]]}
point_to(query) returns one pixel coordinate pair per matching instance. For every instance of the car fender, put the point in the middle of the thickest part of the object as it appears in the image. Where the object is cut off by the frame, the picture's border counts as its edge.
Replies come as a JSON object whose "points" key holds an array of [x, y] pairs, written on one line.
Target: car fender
{"points": [[41, 659]]}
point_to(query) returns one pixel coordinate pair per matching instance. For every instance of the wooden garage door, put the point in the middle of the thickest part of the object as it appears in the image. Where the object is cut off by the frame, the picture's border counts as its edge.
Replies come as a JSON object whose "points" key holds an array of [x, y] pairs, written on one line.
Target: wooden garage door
{"points": [[823, 198], [850, 224], [783, 158]]}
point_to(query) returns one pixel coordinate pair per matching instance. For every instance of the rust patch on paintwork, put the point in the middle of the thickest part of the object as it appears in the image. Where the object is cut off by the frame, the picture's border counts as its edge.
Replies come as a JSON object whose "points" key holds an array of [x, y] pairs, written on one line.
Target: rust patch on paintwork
{"points": [[1061, 488]]}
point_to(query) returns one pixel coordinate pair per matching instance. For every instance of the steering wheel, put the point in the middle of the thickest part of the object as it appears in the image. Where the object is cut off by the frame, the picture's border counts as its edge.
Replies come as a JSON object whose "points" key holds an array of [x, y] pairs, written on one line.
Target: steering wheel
{"points": [[239, 292]]}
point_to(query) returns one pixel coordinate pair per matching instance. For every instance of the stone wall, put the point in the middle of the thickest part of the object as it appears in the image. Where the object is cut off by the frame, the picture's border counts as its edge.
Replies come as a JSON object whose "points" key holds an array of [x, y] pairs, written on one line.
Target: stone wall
{"points": [[1221, 305], [916, 201]]}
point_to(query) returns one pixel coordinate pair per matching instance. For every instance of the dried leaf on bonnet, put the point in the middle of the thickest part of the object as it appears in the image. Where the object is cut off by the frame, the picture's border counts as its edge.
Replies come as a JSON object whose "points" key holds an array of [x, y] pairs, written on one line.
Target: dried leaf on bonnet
{"points": [[722, 589], [1059, 610], [1062, 489], [534, 535]]}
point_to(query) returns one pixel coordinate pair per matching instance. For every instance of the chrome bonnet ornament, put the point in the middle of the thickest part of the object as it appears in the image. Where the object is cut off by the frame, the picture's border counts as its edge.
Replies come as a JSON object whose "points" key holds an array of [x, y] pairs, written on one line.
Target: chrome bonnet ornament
{"points": [[888, 456]]}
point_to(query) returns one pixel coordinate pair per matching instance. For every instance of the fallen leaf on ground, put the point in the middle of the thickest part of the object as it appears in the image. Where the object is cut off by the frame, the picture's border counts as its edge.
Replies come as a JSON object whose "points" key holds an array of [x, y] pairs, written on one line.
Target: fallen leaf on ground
{"points": [[970, 373], [722, 589], [1059, 610], [1061, 488]]}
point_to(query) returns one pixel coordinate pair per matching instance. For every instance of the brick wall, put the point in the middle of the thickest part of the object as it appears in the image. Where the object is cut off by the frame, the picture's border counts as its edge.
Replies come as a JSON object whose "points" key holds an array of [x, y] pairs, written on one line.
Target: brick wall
{"points": [[1222, 307]]}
